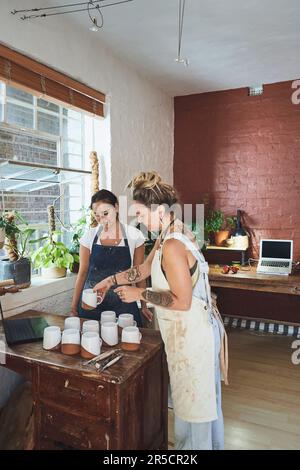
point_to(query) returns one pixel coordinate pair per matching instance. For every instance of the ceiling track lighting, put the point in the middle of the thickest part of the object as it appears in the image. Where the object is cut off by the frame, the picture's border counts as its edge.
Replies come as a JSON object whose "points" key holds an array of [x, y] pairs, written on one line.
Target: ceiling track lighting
{"points": [[97, 20]]}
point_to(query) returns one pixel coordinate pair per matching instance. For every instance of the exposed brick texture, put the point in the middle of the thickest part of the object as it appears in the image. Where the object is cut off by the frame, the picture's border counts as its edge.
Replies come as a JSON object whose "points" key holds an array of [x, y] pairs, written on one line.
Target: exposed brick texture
{"points": [[245, 152], [28, 149]]}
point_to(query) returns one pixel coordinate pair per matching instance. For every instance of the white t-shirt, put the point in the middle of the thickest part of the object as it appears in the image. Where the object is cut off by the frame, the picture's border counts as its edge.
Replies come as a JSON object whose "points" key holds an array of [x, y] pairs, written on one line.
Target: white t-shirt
{"points": [[134, 236]]}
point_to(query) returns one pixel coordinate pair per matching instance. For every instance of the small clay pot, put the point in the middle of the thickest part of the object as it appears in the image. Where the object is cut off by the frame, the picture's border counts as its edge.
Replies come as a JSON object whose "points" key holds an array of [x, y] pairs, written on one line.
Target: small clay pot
{"points": [[221, 236], [70, 349], [86, 354], [130, 346]]}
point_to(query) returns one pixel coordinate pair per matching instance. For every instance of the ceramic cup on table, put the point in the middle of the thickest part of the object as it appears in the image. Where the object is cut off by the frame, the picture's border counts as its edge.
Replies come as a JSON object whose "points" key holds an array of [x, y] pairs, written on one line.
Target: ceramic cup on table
{"points": [[109, 333], [72, 323], [108, 316], [90, 344], [90, 325], [90, 299], [131, 338], [126, 319], [70, 342], [52, 338]]}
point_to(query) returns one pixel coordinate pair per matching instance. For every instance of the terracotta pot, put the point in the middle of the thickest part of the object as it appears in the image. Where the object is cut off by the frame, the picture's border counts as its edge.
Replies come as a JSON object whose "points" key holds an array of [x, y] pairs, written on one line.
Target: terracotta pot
{"points": [[221, 236], [53, 272]]}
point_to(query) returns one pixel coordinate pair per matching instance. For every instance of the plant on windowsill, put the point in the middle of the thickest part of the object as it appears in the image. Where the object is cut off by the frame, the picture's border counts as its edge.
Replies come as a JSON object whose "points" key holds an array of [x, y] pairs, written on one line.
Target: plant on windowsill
{"points": [[54, 258], [217, 227], [17, 265], [78, 230]]}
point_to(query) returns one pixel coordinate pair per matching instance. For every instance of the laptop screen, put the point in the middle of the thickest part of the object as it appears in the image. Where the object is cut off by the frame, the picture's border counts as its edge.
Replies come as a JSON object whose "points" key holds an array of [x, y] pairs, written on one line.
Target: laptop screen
{"points": [[280, 249]]}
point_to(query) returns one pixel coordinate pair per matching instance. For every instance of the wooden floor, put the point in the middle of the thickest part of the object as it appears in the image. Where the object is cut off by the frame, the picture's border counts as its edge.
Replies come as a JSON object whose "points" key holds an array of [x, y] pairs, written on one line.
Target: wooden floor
{"points": [[261, 405]]}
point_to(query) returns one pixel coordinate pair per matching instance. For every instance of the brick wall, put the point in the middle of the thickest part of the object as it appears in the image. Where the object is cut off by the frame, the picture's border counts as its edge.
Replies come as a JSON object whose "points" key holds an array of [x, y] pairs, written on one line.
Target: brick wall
{"points": [[245, 153], [28, 149]]}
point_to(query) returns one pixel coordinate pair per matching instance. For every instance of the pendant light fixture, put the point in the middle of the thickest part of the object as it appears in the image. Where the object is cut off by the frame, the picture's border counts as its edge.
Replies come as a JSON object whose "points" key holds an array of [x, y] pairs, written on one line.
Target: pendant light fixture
{"points": [[179, 59]]}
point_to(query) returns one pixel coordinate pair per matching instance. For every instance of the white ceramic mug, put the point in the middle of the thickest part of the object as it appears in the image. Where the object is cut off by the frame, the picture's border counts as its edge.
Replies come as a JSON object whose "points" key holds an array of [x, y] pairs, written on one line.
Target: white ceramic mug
{"points": [[90, 325], [126, 319], [131, 334], [72, 323], [108, 316], [109, 333], [89, 299], [52, 338], [70, 341], [90, 344]]}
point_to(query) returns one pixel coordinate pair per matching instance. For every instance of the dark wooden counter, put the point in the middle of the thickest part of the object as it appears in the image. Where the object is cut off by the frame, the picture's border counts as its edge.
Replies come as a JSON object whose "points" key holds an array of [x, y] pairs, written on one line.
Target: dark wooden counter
{"points": [[124, 407], [251, 280]]}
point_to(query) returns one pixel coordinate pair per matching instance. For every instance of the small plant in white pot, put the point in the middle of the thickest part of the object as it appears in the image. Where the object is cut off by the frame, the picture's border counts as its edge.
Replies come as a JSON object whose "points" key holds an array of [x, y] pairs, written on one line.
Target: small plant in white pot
{"points": [[54, 258]]}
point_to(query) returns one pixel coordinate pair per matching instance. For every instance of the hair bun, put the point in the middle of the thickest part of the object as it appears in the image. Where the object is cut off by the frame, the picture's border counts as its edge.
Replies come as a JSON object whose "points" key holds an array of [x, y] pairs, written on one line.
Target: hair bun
{"points": [[145, 180]]}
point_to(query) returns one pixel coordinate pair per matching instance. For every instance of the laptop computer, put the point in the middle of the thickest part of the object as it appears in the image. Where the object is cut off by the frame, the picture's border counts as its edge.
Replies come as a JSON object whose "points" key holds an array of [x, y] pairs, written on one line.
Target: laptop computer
{"points": [[23, 330], [275, 257]]}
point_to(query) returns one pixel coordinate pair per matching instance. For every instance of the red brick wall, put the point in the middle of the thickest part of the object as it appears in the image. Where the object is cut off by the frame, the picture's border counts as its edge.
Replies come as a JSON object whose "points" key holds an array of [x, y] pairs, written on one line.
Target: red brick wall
{"points": [[245, 152]]}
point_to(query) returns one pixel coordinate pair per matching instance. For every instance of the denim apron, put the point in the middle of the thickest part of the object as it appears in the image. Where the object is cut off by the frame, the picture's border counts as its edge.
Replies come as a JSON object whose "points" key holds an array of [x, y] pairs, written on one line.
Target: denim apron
{"points": [[105, 261]]}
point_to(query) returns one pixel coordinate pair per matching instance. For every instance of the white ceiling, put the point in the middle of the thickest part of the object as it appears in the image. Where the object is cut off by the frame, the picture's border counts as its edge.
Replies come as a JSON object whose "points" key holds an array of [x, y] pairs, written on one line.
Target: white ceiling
{"points": [[229, 43]]}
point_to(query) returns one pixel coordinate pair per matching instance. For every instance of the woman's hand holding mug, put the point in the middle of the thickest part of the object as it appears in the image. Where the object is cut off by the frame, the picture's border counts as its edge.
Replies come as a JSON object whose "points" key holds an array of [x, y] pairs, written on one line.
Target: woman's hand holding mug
{"points": [[102, 287]]}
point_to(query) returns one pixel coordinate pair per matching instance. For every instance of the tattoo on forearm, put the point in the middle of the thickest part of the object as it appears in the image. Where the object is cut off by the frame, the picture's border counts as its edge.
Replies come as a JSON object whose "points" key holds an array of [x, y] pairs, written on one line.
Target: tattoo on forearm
{"points": [[164, 299], [133, 274]]}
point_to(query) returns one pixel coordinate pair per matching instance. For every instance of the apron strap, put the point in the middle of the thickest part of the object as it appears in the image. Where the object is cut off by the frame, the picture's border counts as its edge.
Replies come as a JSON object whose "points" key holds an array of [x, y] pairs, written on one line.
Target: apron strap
{"points": [[123, 235]]}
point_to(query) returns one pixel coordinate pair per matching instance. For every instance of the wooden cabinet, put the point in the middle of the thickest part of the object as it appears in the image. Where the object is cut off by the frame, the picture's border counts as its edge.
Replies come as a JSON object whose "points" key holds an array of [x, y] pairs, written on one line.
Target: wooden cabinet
{"points": [[75, 407]]}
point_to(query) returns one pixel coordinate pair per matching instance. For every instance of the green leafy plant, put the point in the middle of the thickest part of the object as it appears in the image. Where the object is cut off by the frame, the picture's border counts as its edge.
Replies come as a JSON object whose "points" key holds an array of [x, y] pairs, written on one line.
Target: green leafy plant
{"points": [[214, 221], [17, 238], [52, 253], [77, 231], [231, 222]]}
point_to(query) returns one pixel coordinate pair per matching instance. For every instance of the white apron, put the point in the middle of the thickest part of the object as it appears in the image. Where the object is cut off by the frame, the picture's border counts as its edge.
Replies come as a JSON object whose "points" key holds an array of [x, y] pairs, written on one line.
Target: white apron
{"points": [[189, 343]]}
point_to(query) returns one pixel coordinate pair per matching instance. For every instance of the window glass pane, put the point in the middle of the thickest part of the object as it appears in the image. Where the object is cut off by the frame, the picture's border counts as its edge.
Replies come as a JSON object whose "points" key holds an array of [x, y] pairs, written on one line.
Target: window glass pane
{"points": [[75, 190], [2, 87], [48, 123], [19, 115], [19, 95], [72, 147], [72, 161], [72, 129], [47, 105], [72, 114]]}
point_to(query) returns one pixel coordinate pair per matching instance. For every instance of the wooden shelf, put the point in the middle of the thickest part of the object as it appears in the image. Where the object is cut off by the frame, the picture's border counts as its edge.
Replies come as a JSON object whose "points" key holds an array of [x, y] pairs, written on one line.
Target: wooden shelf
{"points": [[227, 248]]}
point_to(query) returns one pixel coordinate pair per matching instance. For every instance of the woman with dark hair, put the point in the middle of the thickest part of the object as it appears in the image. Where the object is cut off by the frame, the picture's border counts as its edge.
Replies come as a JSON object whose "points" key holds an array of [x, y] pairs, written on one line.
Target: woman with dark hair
{"points": [[104, 250], [191, 327]]}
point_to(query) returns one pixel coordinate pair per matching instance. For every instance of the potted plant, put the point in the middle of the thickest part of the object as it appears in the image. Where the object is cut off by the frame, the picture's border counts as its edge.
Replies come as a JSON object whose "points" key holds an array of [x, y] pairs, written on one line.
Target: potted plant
{"points": [[219, 226], [77, 232], [54, 258], [16, 266]]}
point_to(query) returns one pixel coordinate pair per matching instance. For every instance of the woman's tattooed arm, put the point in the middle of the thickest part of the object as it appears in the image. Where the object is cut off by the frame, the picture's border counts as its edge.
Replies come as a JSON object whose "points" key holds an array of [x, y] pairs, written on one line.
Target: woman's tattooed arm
{"points": [[163, 299], [134, 274]]}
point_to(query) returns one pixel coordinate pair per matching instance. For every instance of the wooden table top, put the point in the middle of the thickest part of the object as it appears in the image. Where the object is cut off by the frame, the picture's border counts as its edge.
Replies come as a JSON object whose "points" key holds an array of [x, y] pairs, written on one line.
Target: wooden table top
{"points": [[31, 353], [251, 280]]}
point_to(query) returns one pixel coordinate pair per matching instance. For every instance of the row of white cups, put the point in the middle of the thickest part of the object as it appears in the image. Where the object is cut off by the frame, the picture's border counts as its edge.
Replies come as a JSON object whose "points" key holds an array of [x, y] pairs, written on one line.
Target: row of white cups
{"points": [[72, 340]]}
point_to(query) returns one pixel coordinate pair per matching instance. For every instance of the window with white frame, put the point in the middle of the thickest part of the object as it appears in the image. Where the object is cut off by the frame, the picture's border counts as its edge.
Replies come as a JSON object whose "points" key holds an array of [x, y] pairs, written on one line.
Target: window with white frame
{"points": [[39, 131]]}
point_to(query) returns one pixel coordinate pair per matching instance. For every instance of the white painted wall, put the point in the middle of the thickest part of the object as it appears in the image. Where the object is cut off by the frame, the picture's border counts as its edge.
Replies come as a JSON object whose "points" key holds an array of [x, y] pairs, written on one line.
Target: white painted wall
{"points": [[141, 114]]}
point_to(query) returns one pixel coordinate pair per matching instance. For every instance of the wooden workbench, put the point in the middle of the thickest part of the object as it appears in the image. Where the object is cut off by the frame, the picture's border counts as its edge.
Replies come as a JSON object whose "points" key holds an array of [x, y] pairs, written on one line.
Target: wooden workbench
{"points": [[250, 280], [75, 407]]}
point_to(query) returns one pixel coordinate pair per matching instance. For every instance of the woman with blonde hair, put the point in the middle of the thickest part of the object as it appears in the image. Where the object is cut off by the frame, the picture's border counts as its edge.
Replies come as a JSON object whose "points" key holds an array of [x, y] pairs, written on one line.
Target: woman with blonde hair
{"points": [[190, 325]]}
